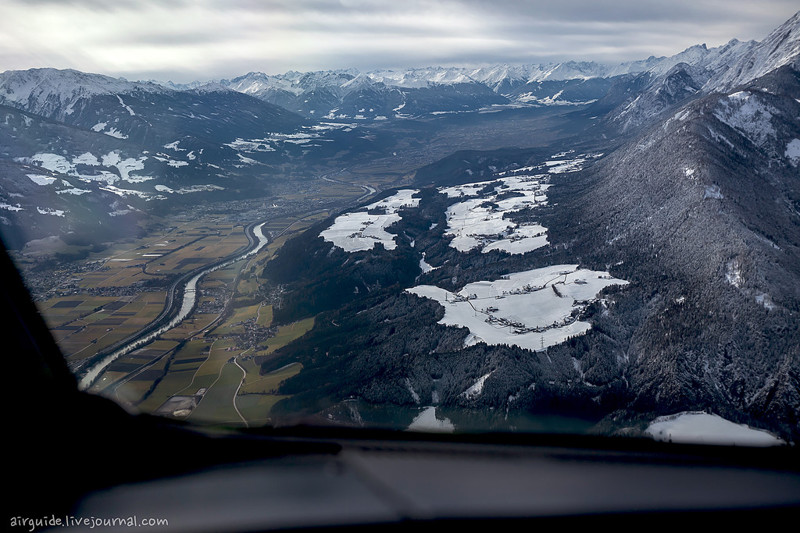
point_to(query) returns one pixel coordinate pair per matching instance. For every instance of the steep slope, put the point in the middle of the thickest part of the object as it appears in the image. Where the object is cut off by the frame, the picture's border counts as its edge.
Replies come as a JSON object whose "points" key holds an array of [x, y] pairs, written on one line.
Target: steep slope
{"points": [[146, 113], [702, 214], [698, 71], [781, 47]]}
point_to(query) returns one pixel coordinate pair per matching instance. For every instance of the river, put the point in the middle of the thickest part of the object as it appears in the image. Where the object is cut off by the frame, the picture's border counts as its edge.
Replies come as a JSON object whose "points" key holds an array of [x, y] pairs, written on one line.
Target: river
{"points": [[187, 305]]}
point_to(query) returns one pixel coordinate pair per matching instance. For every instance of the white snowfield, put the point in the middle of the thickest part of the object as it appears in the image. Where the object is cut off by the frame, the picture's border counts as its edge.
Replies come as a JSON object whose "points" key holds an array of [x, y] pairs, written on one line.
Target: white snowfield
{"points": [[698, 427], [59, 163], [566, 165], [39, 179], [427, 421], [49, 211], [478, 222], [531, 309], [189, 189], [793, 151], [359, 231], [477, 388]]}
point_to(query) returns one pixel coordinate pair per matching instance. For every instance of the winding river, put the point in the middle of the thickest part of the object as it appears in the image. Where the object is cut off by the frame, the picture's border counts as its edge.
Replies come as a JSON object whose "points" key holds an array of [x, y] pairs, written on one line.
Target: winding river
{"points": [[187, 305]]}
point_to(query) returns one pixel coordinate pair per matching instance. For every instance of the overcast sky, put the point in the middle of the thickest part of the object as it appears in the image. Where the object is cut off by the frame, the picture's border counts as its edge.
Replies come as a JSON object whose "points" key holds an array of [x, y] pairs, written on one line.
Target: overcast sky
{"points": [[185, 40]]}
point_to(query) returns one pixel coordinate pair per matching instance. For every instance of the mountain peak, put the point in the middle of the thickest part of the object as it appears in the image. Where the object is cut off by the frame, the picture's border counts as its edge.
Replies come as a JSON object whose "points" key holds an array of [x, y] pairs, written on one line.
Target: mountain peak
{"points": [[781, 47]]}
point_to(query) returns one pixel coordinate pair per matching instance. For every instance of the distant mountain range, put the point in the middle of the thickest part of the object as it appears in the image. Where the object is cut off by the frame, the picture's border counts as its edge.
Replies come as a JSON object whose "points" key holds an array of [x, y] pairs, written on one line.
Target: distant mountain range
{"points": [[402, 93]]}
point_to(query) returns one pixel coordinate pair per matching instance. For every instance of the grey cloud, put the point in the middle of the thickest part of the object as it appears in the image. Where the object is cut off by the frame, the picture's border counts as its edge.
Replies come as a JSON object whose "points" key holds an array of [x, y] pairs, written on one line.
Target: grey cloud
{"points": [[215, 37]]}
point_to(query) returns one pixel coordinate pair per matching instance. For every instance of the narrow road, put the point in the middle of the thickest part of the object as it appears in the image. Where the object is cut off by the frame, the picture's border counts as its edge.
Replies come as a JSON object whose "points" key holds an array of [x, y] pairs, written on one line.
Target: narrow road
{"points": [[236, 394]]}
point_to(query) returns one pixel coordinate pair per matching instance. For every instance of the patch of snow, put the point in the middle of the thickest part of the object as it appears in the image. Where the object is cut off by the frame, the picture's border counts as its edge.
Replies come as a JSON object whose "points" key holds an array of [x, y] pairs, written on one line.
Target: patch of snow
{"points": [[719, 137], [100, 126], [254, 145], [188, 190], [426, 421], [472, 340], [48, 211], [411, 391], [124, 192], [765, 300], [38, 179], [480, 221], [569, 165], [698, 427], [531, 309], [104, 175], [424, 266], [713, 191], [127, 107], [124, 166], [139, 179], [733, 273], [9, 207], [744, 112], [52, 162], [359, 231], [113, 132], [793, 151], [477, 388], [242, 158], [174, 146], [86, 158], [470, 189], [73, 190]]}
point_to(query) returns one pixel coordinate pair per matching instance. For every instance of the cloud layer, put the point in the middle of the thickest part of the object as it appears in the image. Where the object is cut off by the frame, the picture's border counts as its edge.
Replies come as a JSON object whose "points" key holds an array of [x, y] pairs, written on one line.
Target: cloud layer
{"points": [[186, 40]]}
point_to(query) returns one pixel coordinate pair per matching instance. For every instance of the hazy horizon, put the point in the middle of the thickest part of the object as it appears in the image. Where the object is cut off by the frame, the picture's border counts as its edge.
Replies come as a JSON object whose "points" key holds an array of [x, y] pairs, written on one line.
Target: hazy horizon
{"points": [[183, 41]]}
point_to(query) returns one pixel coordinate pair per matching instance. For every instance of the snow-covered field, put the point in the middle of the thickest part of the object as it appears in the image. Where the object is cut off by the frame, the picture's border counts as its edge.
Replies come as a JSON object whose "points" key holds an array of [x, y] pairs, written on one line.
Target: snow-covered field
{"points": [[277, 141], [479, 221], [703, 428], [427, 421], [189, 189], [534, 309], [565, 165], [360, 230], [38, 179], [58, 163]]}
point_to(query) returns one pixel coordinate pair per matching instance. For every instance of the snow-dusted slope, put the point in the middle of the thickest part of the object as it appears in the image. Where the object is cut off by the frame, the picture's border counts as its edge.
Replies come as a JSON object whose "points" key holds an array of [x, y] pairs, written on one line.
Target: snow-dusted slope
{"points": [[53, 93], [698, 71], [779, 48]]}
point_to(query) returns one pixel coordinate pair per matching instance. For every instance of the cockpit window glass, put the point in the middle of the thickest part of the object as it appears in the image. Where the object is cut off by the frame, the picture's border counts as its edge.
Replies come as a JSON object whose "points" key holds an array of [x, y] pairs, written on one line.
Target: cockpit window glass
{"points": [[471, 218]]}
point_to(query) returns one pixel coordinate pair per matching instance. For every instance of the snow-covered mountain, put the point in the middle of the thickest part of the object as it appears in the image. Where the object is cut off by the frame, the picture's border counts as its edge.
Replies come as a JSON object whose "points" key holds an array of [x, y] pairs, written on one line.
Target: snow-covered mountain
{"points": [[781, 47], [333, 93], [56, 93], [698, 71]]}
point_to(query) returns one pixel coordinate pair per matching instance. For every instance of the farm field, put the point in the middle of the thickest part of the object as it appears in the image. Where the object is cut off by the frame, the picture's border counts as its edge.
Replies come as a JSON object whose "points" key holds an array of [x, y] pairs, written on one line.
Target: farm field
{"points": [[83, 324], [208, 365]]}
